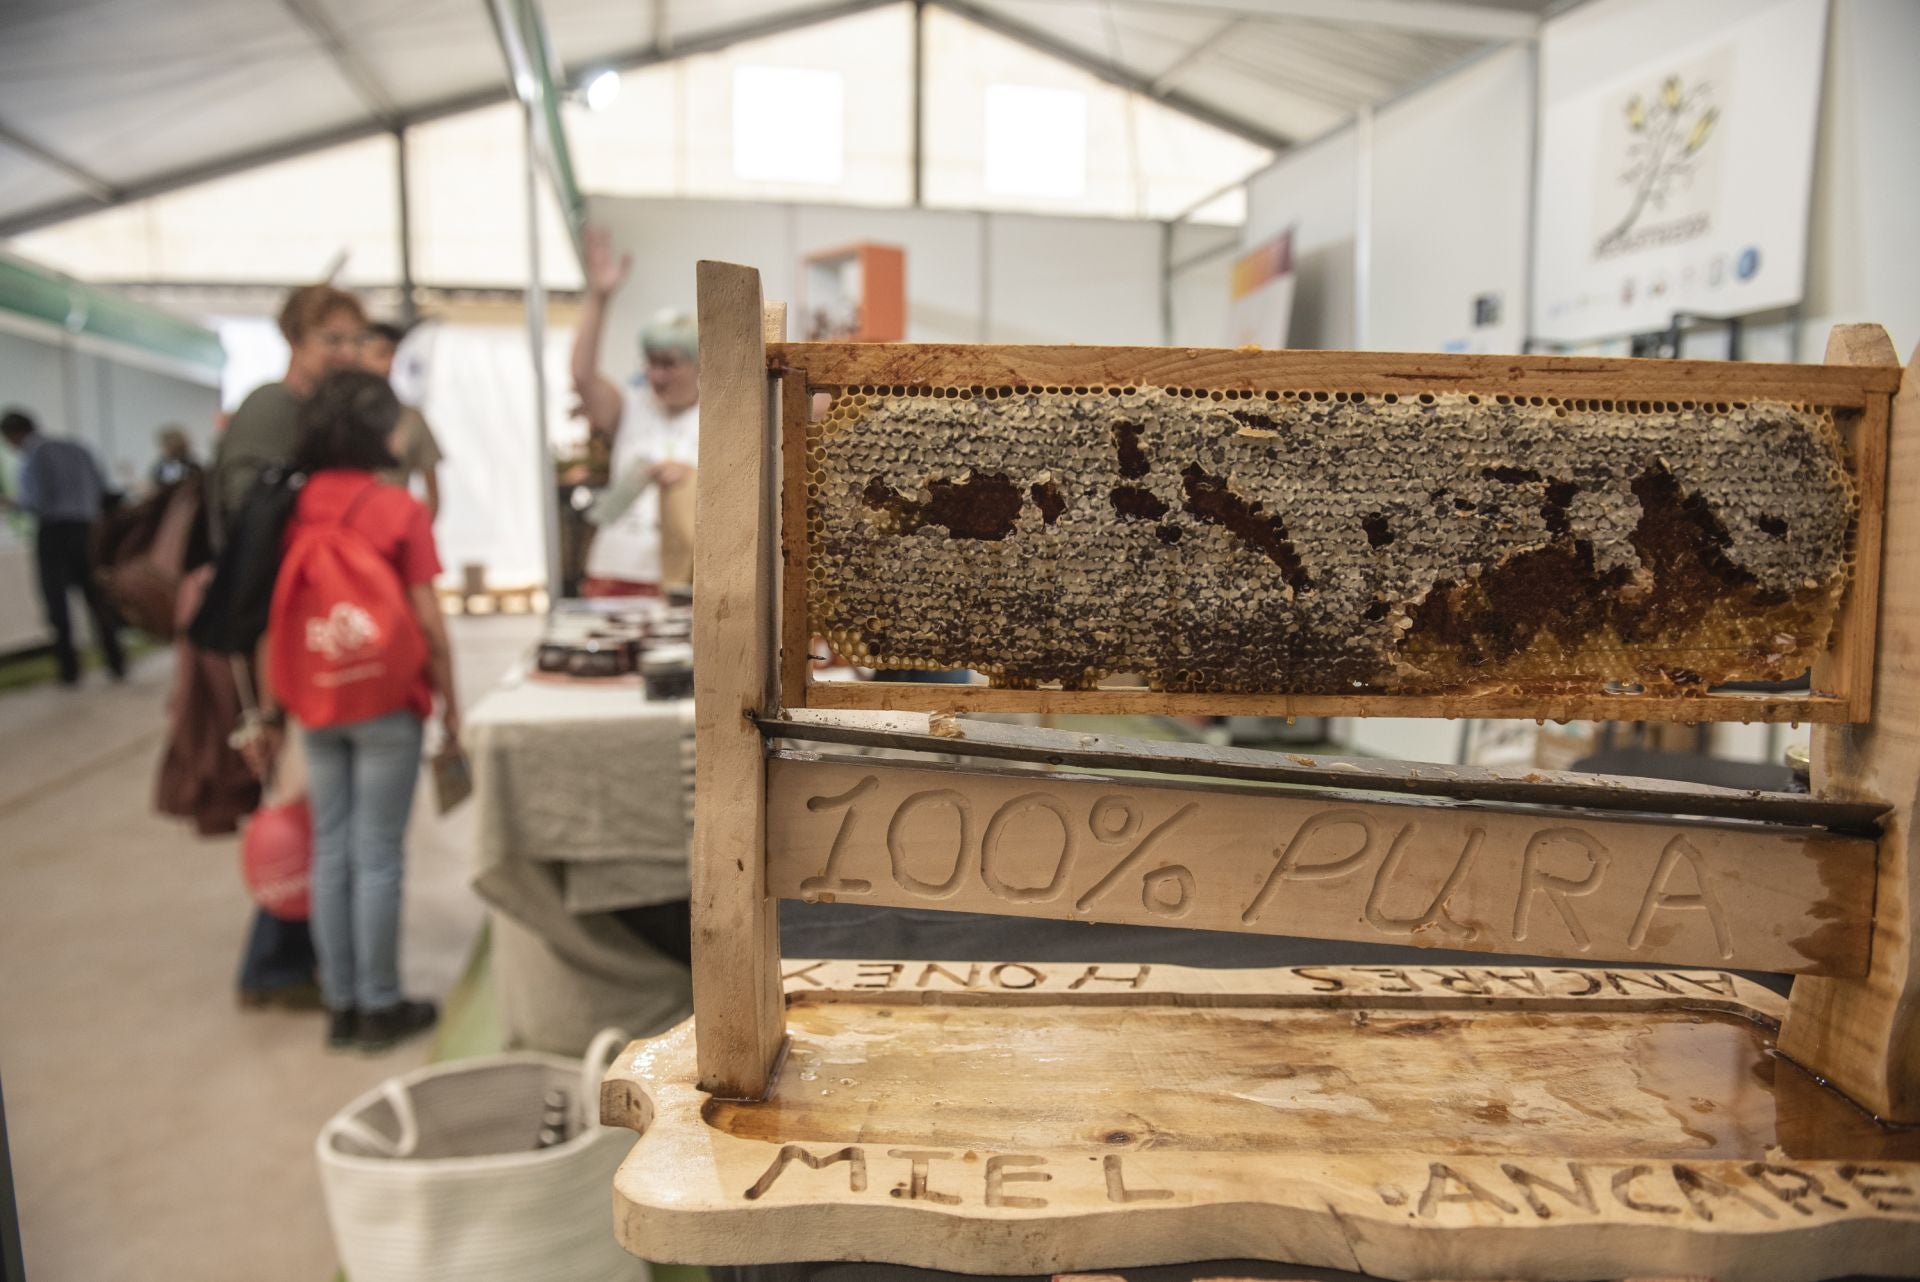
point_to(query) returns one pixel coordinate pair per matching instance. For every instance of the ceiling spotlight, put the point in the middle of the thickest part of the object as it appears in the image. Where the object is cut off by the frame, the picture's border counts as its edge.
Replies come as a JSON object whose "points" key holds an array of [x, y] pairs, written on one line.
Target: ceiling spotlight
{"points": [[601, 89]]}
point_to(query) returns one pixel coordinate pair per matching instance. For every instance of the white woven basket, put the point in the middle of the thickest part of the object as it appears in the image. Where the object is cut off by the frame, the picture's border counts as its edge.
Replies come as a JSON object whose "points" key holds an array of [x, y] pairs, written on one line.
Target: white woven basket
{"points": [[436, 1175]]}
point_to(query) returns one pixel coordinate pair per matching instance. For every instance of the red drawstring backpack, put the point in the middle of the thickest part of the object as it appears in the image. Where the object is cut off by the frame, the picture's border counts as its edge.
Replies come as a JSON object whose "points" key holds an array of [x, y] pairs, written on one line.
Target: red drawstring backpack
{"points": [[342, 641]]}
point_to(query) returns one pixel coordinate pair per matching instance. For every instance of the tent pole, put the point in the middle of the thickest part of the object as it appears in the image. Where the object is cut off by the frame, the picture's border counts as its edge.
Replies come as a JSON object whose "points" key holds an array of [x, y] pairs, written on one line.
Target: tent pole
{"points": [[537, 340]]}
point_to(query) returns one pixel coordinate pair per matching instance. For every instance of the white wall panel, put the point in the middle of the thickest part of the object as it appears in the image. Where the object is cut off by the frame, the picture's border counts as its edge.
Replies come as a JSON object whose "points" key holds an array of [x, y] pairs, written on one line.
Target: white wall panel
{"points": [[1451, 174], [666, 239], [1072, 280], [1864, 263], [971, 277], [1313, 191], [944, 282], [1200, 293]]}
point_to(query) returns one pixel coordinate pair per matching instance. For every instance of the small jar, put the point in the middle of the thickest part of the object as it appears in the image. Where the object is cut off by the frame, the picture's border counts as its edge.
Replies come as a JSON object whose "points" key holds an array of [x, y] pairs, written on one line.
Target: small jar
{"points": [[668, 672]]}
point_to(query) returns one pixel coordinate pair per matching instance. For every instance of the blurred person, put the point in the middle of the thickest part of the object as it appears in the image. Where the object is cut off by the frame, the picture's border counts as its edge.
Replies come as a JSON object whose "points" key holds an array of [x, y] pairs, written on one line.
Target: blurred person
{"points": [[413, 443], [365, 687], [62, 487], [653, 422], [322, 326], [176, 462]]}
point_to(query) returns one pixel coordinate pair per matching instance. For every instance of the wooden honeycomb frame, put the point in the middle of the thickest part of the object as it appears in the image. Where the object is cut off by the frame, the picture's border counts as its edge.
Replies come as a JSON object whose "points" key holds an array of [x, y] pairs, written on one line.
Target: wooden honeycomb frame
{"points": [[1024, 1118], [1835, 414]]}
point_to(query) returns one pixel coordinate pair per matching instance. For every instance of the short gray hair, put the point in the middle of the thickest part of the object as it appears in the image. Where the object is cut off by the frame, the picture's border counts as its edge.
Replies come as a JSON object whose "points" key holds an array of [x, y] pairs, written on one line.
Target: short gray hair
{"points": [[671, 332]]}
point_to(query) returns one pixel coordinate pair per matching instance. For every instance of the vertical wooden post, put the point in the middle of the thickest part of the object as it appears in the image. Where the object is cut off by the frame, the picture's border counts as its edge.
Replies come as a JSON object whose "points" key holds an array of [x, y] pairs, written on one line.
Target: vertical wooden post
{"points": [[1864, 1034], [739, 1018]]}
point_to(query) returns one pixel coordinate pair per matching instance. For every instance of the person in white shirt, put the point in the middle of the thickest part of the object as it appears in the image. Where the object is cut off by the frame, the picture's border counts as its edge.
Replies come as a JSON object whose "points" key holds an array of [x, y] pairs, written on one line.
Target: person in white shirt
{"points": [[654, 422]]}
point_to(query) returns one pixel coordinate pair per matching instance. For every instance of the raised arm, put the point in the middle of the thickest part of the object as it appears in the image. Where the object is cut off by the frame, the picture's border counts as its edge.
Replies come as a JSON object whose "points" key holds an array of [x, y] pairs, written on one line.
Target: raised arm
{"points": [[599, 396]]}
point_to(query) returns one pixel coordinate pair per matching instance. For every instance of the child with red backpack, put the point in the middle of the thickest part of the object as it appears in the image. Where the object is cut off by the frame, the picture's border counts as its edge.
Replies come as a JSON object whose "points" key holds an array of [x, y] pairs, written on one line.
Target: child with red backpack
{"points": [[356, 649]]}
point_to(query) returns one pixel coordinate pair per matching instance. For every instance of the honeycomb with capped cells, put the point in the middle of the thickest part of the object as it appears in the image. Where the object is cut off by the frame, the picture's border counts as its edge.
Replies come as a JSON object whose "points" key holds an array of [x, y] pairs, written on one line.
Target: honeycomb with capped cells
{"points": [[1325, 542]]}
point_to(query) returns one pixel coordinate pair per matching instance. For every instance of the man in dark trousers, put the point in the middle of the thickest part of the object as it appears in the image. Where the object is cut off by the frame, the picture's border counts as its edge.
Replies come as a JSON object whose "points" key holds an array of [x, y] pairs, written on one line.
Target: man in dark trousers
{"points": [[61, 486]]}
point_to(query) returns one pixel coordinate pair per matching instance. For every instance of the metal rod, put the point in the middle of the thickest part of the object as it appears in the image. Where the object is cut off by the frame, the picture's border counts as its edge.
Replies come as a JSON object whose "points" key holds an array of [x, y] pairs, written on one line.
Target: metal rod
{"points": [[1349, 774], [1187, 214], [409, 305], [919, 140], [537, 338]]}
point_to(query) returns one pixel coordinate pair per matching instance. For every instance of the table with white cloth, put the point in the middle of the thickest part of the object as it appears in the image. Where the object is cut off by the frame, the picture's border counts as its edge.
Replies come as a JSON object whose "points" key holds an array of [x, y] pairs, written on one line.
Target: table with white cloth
{"points": [[583, 797]]}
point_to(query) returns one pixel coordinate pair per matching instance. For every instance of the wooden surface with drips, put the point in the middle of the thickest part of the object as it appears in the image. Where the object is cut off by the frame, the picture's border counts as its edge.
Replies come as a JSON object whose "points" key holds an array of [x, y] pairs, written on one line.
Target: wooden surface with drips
{"points": [[1403, 1121], [1674, 1085]]}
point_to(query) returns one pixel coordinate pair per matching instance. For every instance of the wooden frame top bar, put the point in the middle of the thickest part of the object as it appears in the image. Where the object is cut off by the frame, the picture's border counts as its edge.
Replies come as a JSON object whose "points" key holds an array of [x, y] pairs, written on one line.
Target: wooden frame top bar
{"points": [[1228, 369], [1843, 692]]}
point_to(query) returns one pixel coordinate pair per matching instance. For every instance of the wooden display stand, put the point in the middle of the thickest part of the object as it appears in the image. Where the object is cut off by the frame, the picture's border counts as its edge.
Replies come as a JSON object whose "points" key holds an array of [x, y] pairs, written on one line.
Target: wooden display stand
{"points": [[1634, 1109]]}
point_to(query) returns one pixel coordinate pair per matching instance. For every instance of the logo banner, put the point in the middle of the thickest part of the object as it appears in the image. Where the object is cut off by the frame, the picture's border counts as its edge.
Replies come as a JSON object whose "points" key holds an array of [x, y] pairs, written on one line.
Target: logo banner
{"points": [[1675, 166]]}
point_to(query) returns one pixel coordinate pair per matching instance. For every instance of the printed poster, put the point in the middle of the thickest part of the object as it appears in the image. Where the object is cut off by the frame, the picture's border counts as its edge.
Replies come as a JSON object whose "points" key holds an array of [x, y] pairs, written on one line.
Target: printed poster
{"points": [[1676, 162], [1261, 294]]}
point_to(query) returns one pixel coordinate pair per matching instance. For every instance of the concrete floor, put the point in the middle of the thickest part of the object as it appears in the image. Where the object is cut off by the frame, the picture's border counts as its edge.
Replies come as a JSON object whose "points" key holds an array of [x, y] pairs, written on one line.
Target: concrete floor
{"points": [[158, 1131]]}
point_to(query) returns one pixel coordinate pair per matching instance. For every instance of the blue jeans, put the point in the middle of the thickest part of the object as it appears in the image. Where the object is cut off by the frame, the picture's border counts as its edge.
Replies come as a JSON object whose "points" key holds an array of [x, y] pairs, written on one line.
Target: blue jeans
{"points": [[360, 779]]}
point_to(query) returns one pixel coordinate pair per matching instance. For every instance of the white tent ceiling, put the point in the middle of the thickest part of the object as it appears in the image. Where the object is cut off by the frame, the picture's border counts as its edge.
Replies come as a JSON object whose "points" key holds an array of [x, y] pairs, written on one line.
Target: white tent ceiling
{"points": [[103, 101]]}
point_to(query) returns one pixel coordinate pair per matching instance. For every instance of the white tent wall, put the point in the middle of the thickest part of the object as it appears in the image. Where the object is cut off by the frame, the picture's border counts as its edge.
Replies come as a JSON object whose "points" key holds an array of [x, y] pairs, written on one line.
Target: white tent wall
{"points": [[475, 385], [944, 252], [1198, 292], [476, 389], [1864, 262], [1314, 191], [1071, 280], [1452, 167], [971, 277]]}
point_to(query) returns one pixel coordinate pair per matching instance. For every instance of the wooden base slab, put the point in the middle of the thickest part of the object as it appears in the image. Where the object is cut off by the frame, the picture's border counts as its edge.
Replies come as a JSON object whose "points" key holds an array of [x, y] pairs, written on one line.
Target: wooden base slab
{"points": [[1407, 1122]]}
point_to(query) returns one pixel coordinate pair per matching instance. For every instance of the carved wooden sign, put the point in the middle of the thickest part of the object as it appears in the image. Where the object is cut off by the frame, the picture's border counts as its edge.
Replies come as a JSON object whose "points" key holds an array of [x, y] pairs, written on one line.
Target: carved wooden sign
{"points": [[1284, 862], [1348, 1117]]}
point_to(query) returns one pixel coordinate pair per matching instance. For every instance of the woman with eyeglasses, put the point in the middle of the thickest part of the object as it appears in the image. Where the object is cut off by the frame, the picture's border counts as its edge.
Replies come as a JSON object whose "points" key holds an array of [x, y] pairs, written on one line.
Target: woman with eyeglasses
{"points": [[322, 326]]}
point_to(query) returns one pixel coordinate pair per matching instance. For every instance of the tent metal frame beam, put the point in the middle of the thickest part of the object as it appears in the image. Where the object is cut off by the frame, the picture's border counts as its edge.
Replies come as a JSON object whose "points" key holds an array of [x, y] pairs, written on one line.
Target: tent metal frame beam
{"points": [[1196, 51], [456, 104], [106, 195], [1114, 74], [240, 162], [100, 192], [346, 60], [1455, 18]]}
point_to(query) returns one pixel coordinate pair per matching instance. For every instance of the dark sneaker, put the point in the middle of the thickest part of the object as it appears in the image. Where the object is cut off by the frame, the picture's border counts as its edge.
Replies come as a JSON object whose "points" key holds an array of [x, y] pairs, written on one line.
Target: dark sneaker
{"points": [[343, 1027], [379, 1029]]}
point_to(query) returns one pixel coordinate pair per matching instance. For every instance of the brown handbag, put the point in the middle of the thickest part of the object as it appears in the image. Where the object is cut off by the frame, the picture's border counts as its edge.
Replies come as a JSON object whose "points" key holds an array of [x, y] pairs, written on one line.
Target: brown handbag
{"points": [[142, 553]]}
